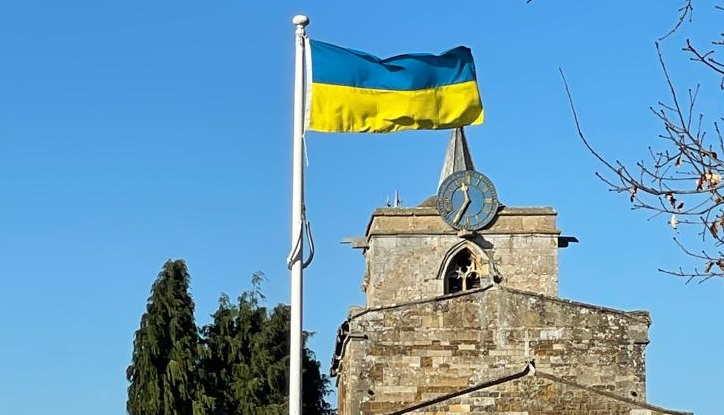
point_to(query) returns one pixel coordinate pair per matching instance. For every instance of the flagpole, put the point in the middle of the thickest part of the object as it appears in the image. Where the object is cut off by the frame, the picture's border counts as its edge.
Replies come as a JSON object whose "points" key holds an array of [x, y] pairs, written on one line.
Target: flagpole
{"points": [[295, 359]]}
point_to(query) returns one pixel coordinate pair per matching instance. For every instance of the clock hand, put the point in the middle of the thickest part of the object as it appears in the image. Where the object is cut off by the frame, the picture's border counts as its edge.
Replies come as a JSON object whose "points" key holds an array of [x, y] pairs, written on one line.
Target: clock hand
{"points": [[465, 205]]}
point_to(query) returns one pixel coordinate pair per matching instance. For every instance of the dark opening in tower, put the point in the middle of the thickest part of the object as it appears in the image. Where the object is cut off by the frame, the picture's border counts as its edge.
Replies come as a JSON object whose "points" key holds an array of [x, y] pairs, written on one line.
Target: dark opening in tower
{"points": [[463, 273]]}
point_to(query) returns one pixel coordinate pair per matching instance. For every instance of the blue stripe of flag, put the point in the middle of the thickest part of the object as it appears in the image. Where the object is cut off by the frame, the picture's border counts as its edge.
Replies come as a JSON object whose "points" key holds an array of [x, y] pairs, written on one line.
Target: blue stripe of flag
{"points": [[410, 72]]}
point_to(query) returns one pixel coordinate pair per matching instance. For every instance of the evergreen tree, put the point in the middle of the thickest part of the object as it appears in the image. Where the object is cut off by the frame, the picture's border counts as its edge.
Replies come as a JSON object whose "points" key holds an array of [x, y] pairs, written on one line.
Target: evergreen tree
{"points": [[165, 349], [245, 362], [315, 385]]}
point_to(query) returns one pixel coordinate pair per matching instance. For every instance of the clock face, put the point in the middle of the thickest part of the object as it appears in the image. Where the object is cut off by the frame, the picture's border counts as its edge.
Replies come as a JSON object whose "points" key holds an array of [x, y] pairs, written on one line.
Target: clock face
{"points": [[467, 200]]}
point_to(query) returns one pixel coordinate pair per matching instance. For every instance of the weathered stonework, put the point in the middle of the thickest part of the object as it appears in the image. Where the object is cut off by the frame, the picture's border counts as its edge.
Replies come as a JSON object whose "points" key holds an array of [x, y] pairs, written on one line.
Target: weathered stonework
{"points": [[406, 248], [399, 355], [539, 393], [417, 346]]}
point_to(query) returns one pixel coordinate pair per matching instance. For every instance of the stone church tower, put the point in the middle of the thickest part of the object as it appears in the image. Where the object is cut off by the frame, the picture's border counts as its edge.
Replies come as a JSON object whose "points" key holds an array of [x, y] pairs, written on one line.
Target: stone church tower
{"points": [[463, 315]]}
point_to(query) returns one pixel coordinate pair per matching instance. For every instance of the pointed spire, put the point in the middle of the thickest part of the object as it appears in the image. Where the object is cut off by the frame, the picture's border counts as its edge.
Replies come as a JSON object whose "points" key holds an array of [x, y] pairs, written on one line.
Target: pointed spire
{"points": [[458, 156]]}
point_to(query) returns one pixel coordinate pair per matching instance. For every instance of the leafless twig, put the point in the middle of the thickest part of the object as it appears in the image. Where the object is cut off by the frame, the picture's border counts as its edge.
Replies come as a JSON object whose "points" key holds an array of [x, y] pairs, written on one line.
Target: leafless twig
{"points": [[683, 179], [685, 13]]}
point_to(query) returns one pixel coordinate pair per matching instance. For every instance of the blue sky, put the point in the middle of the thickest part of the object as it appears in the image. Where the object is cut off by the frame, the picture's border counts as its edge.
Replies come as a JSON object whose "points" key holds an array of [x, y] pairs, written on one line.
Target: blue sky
{"points": [[133, 132]]}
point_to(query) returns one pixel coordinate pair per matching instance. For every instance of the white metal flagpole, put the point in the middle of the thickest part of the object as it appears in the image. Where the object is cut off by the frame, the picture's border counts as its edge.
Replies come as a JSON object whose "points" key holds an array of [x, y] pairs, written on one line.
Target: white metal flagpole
{"points": [[297, 255]]}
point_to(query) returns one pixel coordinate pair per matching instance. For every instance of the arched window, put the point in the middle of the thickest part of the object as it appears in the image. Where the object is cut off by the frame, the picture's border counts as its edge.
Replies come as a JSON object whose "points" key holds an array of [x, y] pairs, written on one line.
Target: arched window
{"points": [[464, 272]]}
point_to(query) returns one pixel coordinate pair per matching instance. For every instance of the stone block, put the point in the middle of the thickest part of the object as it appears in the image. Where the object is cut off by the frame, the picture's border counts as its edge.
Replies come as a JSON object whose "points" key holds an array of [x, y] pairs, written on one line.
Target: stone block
{"points": [[459, 408]]}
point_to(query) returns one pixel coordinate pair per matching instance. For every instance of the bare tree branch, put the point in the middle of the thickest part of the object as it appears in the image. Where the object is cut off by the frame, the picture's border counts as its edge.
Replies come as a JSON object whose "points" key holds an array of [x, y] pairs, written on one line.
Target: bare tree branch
{"points": [[683, 178], [707, 58], [683, 175], [685, 13]]}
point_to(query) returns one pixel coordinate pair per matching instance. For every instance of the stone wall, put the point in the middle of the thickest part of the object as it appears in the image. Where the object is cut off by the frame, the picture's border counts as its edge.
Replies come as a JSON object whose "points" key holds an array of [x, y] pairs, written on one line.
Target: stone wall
{"points": [[540, 395], [399, 355], [406, 247], [412, 344]]}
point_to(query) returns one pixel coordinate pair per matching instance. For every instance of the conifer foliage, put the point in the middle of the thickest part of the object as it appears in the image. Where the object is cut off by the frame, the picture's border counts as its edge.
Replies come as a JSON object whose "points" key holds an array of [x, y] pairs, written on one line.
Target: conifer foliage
{"points": [[245, 360], [165, 349], [239, 362]]}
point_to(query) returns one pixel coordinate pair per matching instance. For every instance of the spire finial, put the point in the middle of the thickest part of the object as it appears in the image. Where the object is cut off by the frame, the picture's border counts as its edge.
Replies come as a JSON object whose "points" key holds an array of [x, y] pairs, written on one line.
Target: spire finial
{"points": [[458, 156]]}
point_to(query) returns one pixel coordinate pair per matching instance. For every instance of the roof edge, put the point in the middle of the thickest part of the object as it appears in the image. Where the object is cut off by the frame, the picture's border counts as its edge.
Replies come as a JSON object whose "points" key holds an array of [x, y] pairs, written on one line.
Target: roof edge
{"points": [[645, 405], [532, 371], [465, 391], [640, 316]]}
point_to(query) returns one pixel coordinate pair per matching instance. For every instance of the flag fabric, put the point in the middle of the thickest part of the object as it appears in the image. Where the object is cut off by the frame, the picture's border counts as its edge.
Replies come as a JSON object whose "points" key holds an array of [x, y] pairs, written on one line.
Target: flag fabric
{"points": [[353, 91]]}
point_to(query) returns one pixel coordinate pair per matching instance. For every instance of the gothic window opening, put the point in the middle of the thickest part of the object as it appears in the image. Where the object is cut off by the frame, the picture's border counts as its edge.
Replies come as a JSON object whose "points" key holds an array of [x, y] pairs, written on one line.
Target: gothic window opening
{"points": [[463, 273]]}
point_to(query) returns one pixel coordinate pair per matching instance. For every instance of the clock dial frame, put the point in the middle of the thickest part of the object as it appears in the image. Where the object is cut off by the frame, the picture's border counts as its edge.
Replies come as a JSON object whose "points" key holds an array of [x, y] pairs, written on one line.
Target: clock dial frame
{"points": [[467, 200]]}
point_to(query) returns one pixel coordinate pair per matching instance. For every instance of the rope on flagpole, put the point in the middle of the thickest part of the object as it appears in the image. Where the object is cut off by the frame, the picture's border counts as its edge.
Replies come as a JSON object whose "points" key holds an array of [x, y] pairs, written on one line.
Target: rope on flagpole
{"points": [[308, 232], [294, 253], [304, 230], [304, 146]]}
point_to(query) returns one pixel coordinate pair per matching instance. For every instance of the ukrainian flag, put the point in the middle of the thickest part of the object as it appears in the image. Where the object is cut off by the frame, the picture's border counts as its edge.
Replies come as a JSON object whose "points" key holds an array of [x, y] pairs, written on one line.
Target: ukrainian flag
{"points": [[352, 91]]}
